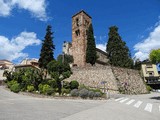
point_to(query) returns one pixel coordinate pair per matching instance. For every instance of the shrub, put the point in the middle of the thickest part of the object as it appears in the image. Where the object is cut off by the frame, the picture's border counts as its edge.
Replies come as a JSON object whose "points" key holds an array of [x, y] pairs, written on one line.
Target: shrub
{"points": [[91, 94], [65, 91], [52, 83], [10, 83], [30, 88], [40, 88], [83, 93], [49, 91], [74, 93], [82, 86], [74, 84], [97, 90], [66, 85], [15, 87], [149, 88], [97, 94], [45, 88]]}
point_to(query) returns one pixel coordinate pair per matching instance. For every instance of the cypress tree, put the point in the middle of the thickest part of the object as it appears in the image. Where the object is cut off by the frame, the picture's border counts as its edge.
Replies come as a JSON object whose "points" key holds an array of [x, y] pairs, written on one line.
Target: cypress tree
{"points": [[118, 52], [91, 47], [47, 49]]}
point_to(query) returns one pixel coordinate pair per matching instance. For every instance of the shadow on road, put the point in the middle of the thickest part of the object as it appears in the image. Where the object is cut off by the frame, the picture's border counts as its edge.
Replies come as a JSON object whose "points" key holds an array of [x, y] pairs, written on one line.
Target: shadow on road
{"points": [[156, 98]]}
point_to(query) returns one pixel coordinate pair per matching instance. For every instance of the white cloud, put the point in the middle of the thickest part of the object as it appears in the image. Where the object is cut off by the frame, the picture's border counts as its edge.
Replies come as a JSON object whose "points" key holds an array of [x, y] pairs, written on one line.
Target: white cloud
{"points": [[152, 42], [36, 7], [5, 8], [101, 47], [13, 49]]}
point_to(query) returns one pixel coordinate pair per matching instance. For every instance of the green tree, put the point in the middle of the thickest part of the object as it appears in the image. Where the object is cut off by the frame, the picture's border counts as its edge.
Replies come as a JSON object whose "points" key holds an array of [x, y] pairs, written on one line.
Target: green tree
{"points": [[91, 47], [59, 71], [47, 49], [155, 56], [65, 58], [118, 52]]}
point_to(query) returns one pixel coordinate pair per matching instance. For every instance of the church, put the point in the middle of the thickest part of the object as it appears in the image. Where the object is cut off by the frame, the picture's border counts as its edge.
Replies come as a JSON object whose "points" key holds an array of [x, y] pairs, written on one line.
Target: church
{"points": [[77, 48]]}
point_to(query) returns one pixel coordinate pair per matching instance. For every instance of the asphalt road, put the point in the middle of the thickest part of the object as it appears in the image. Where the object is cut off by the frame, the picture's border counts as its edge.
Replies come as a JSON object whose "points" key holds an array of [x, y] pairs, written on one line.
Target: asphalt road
{"points": [[20, 107]]}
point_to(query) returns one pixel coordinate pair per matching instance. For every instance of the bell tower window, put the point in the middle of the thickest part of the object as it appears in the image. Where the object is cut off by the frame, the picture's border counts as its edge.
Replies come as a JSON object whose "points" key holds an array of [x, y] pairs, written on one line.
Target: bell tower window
{"points": [[77, 22], [77, 32]]}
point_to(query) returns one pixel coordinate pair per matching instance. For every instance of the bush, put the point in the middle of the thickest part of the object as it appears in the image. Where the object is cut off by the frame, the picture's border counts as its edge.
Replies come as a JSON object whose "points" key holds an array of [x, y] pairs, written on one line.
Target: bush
{"points": [[52, 83], [40, 88], [74, 93], [82, 86], [66, 85], [30, 88], [91, 94], [65, 91], [49, 91], [97, 94], [15, 87], [46, 87], [10, 83], [149, 88], [97, 90], [74, 84], [83, 93]]}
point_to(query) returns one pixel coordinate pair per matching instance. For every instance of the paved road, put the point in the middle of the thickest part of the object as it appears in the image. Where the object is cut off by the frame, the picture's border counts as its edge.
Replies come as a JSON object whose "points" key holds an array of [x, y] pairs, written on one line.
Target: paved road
{"points": [[20, 107]]}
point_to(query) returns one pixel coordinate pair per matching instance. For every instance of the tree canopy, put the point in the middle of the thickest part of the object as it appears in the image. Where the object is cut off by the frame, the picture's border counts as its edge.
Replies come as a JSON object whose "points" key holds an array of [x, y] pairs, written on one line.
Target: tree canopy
{"points": [[47, 50], [59, 71], [65, 58], [155, 56], [91, 47], [118, 52]]}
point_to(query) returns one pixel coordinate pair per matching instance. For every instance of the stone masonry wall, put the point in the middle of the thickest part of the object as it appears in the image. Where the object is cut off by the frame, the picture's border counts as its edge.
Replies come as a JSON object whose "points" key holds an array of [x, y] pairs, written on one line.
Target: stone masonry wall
{"points": [[93, 76], [129, 80], [115, 77]]}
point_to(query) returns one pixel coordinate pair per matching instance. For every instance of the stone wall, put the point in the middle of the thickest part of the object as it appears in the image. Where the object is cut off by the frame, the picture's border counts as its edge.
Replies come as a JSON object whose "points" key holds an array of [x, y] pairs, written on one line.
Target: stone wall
{"points": [[93, 76], [129, 81], [115, 78]]}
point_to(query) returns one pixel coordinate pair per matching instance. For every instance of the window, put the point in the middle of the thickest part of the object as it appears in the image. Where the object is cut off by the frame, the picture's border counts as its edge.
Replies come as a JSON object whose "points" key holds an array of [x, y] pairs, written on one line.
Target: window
{"points": [[77, 32], [151, 73], [86, 22], [77, 22]]}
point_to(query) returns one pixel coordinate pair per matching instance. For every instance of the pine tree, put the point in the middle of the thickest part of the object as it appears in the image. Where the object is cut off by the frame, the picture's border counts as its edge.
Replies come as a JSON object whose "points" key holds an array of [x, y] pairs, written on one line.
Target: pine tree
{"points": [[91, 47], [118, 52], [47, 49]]}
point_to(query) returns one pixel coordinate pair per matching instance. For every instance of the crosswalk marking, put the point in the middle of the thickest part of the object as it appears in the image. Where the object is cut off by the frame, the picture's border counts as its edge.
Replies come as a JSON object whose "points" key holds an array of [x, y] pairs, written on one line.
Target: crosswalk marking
{"points": [[119, 99], [138, 104], [123, 100], [130, 102], [148, 107]]}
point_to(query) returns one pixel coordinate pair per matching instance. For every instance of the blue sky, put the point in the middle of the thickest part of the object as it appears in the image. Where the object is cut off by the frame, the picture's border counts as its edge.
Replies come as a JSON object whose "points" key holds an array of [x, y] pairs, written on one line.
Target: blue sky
{"points": [[23, 24]]}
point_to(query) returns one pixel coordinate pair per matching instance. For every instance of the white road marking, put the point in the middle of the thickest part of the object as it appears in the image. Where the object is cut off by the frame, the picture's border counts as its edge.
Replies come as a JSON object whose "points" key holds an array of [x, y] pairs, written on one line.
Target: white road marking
{"points": [[138, 104], [124, 100], [159, 108], [130, 102], [148, 107], [119, 99]]}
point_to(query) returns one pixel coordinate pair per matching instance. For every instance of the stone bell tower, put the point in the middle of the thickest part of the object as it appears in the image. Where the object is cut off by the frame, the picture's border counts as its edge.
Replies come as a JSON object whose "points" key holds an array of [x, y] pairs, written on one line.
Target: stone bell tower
{"points": [[80, 25]]}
